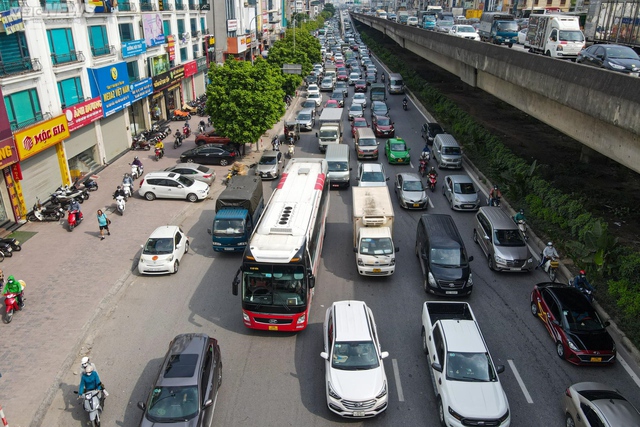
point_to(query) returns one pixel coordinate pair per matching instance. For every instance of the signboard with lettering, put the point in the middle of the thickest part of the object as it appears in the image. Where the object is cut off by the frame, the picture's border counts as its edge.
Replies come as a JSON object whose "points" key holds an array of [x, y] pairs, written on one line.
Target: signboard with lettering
{"points": [[190, 68], [8, 154], [133, 48], [152, 25], [82, 114], [165, 80], [12, 20], [201, 63], [171, 47], [232, 25], [111, 83], [32, 140], [141, 89]]}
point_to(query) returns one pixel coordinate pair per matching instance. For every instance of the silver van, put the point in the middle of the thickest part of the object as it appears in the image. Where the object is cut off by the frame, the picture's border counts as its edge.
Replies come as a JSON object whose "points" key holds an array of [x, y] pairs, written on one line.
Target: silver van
{"points": [[446, 151], [396, 84], [338, 160], [366, 144], [501, 241]]}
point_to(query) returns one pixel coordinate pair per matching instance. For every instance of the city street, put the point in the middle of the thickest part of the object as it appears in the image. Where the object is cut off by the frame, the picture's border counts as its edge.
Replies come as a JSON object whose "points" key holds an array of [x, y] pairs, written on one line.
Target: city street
{"points": [[80, 287]]}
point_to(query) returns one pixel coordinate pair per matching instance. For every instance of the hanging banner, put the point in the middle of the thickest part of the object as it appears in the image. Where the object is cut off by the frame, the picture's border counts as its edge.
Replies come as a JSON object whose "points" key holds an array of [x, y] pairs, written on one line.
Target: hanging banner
{"points": [[171, 47], [141, 89], [82, 114], [8, 153], [190, 68], [12, 20], [41, 136], [111, 83], [159, 64], [133, 48], [152, 25]]}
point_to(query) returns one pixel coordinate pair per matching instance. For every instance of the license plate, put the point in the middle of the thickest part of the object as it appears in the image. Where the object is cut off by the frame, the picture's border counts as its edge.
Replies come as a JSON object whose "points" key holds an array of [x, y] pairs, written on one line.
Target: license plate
{"points": [[358, 414], [634, 74], [451, 292], [377, 270], [335, 185], [416, 205], [273, 328], [228, 249], [596, 359], [400, 160], [467, 206]]}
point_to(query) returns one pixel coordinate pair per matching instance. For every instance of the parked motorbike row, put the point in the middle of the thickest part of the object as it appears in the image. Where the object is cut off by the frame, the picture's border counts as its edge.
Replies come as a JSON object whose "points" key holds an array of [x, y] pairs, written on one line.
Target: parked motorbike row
{"points": [[190, 108], [145, 139]]}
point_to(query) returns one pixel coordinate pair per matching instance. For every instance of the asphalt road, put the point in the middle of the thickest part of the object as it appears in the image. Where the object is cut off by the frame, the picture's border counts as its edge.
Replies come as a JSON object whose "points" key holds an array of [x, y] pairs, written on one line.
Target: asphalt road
{"points": [[278, 379]]}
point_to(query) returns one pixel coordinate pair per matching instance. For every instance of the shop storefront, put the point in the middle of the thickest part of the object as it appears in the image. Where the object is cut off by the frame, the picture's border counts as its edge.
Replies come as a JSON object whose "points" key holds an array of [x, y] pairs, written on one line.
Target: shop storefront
{"points": [[8, 157], [139, 110], [201, 76], [167, 90], [82, 146]]}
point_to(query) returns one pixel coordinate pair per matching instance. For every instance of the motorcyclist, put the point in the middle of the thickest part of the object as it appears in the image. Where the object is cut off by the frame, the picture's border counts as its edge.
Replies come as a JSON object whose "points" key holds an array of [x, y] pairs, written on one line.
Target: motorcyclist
{"points": [[425, 153], [127, 179], [275, 143], [160, 146], [89, 381], [137, 162], [84, 362], [432, 172], [405, 100], [581, 282], [178, 135], [186, 125], [13, 286], [119, 192], [549, 253], [202, 125], [75, 206], [382, 77], [494, 196], [520, 216]]}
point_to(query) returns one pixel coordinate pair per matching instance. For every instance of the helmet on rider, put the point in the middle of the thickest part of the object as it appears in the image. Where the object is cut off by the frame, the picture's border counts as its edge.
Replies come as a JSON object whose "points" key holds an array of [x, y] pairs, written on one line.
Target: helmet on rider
{"points": [[88, 369], [84, 362], [135, 158], [495, 187], [550, 244], [521, 211], [583, 273]]}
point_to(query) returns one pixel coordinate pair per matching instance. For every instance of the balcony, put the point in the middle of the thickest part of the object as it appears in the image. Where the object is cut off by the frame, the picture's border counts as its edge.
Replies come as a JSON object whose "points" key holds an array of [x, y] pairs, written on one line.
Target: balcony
{"points": [[21, 66], [194, 6], [7, 4], [55, 6], [180, 6], [184, 38], [39, 117], [103, 50], [148, 6], [127, 7], [195, 34], [65, 58]]}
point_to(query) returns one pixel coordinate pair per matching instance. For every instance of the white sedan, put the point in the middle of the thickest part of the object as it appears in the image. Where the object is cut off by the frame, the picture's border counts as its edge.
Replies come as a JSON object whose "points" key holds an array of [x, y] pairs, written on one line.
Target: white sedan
{"points": [[355, 111], [359, 99], [313, 89], [316, 97], [465, 32], [163, 251]]}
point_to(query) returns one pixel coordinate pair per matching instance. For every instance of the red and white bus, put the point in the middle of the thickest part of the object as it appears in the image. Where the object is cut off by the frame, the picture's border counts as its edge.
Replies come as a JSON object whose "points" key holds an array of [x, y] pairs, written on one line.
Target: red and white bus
{"points": [[279, 266]]}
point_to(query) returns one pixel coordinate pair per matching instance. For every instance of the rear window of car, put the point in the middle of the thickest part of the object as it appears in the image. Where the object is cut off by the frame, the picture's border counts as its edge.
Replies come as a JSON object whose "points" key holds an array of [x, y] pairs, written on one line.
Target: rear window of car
{"points": [[181, 366], [203, 169]]}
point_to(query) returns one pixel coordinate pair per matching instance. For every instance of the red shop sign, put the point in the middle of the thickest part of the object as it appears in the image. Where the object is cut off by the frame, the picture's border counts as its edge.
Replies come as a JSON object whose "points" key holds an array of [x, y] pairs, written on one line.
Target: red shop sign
{"points": [[84, 113], [190, 68]]}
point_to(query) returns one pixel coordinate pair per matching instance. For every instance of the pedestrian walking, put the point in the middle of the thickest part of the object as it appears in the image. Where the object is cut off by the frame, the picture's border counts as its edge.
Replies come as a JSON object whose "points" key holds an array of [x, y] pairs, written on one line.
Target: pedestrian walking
{"points": [[103, 223]]}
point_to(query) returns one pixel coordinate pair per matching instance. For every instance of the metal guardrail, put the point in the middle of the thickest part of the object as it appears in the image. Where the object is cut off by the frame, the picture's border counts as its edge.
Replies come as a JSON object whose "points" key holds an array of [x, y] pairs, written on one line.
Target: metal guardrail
{"points": [[21, 66], [65, 58]]}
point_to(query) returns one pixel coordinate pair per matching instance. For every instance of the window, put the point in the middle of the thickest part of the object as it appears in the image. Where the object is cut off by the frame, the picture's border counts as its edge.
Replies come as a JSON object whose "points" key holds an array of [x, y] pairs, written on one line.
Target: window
{"points": [[202, 24], [195, 51], [55, 5], [61, 45], [133, 72], [166, 27], [126, 32], [179, 5], [70, 91], [99, 40], [194, 25], [14, 53], [180, 27], [23, 108], [183, 54]]}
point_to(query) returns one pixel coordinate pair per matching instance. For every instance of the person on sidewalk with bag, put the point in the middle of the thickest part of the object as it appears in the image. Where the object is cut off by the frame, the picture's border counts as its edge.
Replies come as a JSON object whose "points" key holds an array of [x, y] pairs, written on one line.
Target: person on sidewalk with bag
{"points": [[103, 223]]}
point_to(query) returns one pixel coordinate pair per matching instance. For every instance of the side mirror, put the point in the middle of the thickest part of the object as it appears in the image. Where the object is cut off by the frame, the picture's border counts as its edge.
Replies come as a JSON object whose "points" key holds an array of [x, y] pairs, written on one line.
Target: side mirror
{"points": [[142, 406], [500, 369], [387, 179], [607, 323], [316, 134], [324, 355], [235, 283], [355, 250], [471, 258], [424, 257], [350, 169], [312, 281], [384, 355], [178, 246], [180, 186], [208, 403], [436, 366], [397, 248]]}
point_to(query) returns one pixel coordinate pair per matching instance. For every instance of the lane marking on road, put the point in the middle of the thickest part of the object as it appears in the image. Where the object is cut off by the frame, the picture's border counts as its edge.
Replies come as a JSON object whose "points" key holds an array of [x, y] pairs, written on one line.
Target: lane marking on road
{"points": [[520, 382], [430, 203], [396, 374], [627, 368]]}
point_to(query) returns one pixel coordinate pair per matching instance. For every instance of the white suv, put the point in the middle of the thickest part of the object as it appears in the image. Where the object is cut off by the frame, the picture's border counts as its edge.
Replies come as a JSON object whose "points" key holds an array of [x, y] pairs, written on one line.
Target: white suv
{"points": [[171, 185], [371, 175], [356, 383]]}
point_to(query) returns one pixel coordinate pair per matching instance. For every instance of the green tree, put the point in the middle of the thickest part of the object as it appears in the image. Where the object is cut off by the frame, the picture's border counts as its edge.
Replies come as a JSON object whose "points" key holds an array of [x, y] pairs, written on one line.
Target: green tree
{"points": [[244, 100], [329, 8], [305, 52]]}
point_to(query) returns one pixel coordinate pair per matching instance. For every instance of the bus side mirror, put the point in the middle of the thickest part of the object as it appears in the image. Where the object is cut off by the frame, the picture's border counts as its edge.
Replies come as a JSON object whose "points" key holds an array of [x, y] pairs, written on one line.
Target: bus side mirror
{"points": [[235, 283], [312, 281]]}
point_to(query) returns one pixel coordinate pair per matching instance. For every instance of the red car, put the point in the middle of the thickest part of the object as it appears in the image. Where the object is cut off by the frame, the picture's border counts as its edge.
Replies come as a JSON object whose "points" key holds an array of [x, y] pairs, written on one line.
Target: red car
{"points": [[383, 126], [332, 103], [211, 137], [343, 76], [340, 64], [361, 86], [358, 122], [574, 325]]}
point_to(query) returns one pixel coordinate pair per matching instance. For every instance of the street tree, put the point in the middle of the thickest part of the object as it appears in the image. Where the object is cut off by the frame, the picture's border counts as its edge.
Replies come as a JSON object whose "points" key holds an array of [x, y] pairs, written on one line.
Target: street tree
{"points": [[245, 100], [329, 8]]}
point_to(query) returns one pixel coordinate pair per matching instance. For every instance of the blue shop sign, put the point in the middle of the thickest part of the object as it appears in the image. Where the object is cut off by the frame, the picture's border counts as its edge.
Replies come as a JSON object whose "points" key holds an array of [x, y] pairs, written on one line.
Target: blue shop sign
{"points": [[141, 89], [133, 48], [111, 84]]}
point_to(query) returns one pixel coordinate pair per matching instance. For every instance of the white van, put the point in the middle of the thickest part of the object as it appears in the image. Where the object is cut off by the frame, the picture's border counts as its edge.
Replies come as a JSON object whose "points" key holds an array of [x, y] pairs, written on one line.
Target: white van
{"points": [[447, 152], [337, 158], [366, 144], [395, 85]]}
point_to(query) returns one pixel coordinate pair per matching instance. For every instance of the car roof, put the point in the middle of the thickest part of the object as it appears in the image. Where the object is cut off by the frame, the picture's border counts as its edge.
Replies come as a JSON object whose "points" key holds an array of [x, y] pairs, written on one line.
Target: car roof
{"points": [[463, 336], [371, 167], [351, 320], [498, 218], [614, 407], [568, 296], [306, 111], [270, 153], [181, 371], [409, 176], [460, 179], [161, 174], [164, 231]]}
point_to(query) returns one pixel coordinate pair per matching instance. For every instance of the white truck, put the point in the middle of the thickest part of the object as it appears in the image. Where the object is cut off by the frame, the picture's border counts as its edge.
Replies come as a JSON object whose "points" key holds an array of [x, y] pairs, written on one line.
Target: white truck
{"points": [[464, 378], [330, 128], [557, 36], [373, 231]]}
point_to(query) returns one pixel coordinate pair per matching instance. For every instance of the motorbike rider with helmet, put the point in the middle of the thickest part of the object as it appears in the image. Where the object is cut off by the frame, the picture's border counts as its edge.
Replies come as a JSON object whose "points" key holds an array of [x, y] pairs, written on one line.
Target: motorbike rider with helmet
{"points": [[405, 102], [75, 206], [137, 162], [549, 253], [89, 381], [433, 172], [160, 146], [520, 216], [119, 192], [13, 286], [84, 362], [581, 282], [494, 196]]}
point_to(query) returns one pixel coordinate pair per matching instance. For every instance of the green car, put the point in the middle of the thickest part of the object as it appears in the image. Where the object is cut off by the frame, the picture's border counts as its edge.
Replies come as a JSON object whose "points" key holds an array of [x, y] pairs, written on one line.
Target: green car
{"points": [[397, 151]]}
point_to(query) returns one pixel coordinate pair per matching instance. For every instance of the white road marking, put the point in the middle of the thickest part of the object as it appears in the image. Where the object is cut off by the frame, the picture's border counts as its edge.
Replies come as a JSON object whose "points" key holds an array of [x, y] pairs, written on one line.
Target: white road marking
{"points": [[430, 203], [520, 382], [396, 374], [627, 368]]}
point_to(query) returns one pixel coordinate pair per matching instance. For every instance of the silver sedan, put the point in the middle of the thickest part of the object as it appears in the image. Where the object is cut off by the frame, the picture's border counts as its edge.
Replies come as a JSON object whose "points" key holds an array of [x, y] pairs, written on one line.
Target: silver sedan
{"points": [[195, 171]]}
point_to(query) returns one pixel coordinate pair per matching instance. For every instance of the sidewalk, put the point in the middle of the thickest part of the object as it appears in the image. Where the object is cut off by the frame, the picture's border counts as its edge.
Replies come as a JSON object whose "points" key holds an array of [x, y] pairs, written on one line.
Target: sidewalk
{"points": [[74, 278]]}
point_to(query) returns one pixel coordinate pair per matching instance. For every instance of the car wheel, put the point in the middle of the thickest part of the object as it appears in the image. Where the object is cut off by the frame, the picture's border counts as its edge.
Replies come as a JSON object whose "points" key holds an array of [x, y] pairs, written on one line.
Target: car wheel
{"points": [[534, 309], [425, 348], [192, 197], [491, 266], [443, 422], [569, 421], [189, 160], [149, 196], [176, 266], [224, 162], [475, 236], [560, 350]]}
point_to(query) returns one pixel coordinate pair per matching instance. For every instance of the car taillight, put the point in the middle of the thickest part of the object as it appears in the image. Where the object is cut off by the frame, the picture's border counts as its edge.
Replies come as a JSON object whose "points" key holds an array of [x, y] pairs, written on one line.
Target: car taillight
{"points": [[233, 154], [567, 392], [141, 182], [207, 175]]}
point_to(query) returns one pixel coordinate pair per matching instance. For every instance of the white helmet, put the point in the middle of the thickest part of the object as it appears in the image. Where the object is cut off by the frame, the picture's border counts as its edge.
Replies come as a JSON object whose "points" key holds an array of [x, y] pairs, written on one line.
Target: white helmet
{"points": [[88, 369], [550, 244]]}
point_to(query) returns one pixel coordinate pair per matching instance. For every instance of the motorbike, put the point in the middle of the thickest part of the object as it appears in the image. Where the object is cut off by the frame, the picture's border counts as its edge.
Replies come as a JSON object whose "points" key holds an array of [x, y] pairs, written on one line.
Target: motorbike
{"points": [[179, 115], [493, 201], [290, 151], [126, 187], [230, 174], [11, 303], [178, 141], [89, 184], [13, 243], [522, 226], [140, 142], [92, 402], [431, 182], [120, 204], [201, 126], [405, 105], [136, 171], [161, 131], [45, 213], [189, 108], [423, 167], [158, 154], [6, 250], [550, 267], [201, 111], [63, 196], [186, 131], [74, 218]]}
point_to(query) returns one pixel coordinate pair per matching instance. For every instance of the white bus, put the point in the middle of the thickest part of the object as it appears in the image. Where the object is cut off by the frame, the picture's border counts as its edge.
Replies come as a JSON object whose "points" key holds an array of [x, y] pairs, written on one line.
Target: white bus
{"points": [[279, 266]]}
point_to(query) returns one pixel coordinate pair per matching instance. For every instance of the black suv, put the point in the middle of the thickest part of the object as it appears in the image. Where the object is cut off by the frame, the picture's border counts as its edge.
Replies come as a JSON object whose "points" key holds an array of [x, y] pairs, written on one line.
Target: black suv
{"points": [[187, 386]]}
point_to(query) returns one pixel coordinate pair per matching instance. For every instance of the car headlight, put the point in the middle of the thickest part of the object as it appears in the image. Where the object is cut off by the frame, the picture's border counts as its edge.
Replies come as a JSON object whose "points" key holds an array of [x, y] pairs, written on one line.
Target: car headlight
{"points": [[454, 414], [170, 258], [432, 280], [217, 244], [470, 280], [332, 392], [246, 318], [504, 418], [393, 156], [393, 261], [500, 260], [301, 319], [383, 392], [572, 346], [559, 48], [360, 263], [616, 66]]}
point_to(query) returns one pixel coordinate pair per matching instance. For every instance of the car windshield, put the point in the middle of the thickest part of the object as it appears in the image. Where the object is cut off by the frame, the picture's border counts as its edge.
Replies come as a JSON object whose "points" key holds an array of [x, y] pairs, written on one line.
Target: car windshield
{"points": [[372, 177], [360, 82], [582, 318], [621, 52], [304, 117], [366, 142], [328, 134], [398, 146], [162, 246], [571, 36], [173, 404], [412, 186], [464, 188], [275, 285], [228, 227], [332, 105], [466, 30], [359, 96], [309, 104], [354, 355], [448, 257], [474, 367], [429, 18], [507, 238], [187, 182], [268, 160], [203, 169], [314, 96], [451, 150], [383, 122], [510, 26], [376, 246], [338, 166], [359, 124], [356, 108]]}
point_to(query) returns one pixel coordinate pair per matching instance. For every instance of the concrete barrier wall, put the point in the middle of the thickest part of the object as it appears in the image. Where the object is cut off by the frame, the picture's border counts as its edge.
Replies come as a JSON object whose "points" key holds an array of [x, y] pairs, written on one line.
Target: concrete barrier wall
{"points": [[597, 107]]}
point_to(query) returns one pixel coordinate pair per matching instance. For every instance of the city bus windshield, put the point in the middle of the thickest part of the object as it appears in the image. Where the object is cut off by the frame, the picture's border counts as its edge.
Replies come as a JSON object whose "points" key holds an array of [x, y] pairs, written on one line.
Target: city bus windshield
{"points": [[275, 285]]}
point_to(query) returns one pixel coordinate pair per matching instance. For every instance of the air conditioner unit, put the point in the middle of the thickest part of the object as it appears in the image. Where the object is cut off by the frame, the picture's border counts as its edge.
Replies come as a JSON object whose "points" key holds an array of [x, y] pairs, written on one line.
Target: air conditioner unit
{"points": [[185, 35]]}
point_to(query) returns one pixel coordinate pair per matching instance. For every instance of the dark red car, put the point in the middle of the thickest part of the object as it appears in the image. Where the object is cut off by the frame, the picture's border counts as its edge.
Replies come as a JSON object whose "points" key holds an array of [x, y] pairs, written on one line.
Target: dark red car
{"points": [[211, 137], [343, 76], [358, 122], [361, 86], [383, 126], [579, 334]]}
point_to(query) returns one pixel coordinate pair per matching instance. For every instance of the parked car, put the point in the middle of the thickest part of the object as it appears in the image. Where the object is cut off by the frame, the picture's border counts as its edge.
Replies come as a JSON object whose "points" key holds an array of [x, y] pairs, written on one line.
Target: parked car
{"points": [[430, 130], [306, 119], [580, 336], [358, 122], [211, 137], [355, 380], [355, 111], [611, 57], [186, 388], [371, 175], [163, 251], [383, 126], [379, 108], [410, 191], [591, 404], [397, 152], [270, 165], [360, 86], [171, 185], [465, 32], [210, 154], [359, 99], [313, 88], [461, 193], [194, 171]]}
